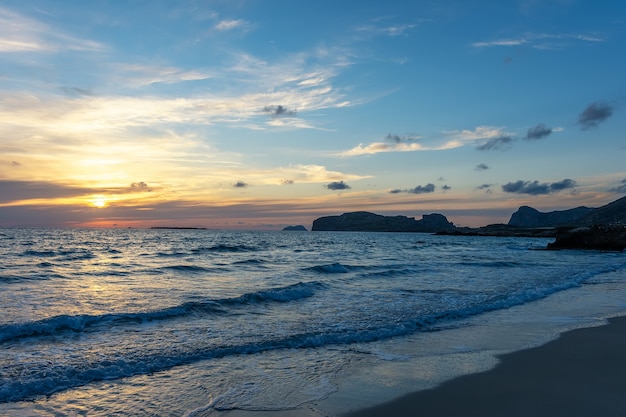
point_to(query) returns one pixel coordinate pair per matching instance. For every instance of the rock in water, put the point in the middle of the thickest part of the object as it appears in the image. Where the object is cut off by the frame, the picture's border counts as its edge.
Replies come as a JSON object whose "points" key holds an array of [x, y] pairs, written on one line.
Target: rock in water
{"points": [[610, 237]]}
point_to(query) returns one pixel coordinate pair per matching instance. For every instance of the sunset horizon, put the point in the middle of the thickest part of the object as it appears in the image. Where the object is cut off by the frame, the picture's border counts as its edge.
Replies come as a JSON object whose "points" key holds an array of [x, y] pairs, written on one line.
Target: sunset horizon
{"points": [[240, 116]]}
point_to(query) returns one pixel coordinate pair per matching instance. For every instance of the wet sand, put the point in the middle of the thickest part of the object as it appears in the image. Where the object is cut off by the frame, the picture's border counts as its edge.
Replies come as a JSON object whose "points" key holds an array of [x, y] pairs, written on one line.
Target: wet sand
{"points": [[582, 373]]}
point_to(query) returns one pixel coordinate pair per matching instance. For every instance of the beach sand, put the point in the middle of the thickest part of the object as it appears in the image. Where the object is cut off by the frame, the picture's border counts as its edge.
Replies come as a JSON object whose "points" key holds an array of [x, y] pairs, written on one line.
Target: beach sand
{"points": [[582, 373]]}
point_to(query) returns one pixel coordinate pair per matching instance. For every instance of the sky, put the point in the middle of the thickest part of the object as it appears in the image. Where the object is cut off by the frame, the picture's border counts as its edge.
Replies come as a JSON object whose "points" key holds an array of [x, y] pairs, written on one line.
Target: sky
{"points": [[258, 114]]}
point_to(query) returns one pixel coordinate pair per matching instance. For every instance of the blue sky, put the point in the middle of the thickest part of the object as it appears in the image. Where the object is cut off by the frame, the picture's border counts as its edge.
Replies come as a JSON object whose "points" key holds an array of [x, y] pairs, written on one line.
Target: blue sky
{"points": [[260, 114]]}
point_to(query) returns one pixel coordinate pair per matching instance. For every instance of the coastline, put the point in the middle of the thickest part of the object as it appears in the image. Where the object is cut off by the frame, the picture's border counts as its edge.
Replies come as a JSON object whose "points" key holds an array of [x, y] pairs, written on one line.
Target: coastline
{"points": [[582, 373]]}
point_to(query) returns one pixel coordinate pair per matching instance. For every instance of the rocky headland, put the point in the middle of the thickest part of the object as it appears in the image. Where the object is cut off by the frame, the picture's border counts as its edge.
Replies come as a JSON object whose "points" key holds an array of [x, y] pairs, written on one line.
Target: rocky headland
{"points": [[363, 221], [582, 227]]}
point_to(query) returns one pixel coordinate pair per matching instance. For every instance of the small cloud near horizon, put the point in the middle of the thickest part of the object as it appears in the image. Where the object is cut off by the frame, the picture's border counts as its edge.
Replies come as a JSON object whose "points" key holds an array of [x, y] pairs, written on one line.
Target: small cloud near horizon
{"points": [[420, 189], [481, 167], [537, 188], [620, 188], [497, 143], [279, 111], [240, 184], [594, 114], [337, 185], [538, 132], [401, 139]]}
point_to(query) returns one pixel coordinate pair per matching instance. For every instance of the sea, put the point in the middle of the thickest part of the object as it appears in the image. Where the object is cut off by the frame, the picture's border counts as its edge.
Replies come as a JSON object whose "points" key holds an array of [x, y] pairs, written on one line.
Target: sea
{"points": [[179, 322]]}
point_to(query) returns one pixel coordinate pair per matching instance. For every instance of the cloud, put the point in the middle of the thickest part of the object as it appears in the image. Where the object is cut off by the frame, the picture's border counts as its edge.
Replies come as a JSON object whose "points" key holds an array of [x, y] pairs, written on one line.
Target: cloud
{"points": [[538, 132], [401, 139], [380, 147], [481, 167], [540, 40], [307, 174], [135, 75], [484, 186], [231, 24], [137, 186], [373, 29], [620, 188], [593, 115], [19, 33], [76, 91], [497, 143], [338, 185], [279, 111], [537, 188], [420, 189], [240, 184], [446, 188], [15, 164], [15, 191], [480, 132], [287, 182]]}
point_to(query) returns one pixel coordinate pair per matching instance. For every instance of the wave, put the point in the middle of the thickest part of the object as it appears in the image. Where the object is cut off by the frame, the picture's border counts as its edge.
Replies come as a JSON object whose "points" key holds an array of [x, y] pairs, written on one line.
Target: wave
{"points": [[224, 248], [335, 268], [250, 262], [84, 322], [27, 384], [10, 279], [188, 268], [66, 255]]}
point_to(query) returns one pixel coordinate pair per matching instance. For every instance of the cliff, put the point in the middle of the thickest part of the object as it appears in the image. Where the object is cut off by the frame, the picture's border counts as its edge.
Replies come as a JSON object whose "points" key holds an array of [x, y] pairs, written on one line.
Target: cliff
{"points": [[614, 212], [529, 217], [362, 221]]}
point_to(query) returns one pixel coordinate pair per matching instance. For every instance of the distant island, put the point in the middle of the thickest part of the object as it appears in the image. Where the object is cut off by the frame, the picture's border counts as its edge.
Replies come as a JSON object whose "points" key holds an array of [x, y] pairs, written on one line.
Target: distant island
{"points": [[177, 228], [363, 221], [298, 228]]}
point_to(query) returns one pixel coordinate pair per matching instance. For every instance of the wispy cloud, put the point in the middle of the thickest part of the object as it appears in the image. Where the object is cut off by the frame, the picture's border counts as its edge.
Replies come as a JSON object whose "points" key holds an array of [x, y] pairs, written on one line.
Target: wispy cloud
{"points": [[540, 40], [135, 75], [19, 33], [380, 147], [491, 138], [377, 29], [232, 24], [621, 188]]}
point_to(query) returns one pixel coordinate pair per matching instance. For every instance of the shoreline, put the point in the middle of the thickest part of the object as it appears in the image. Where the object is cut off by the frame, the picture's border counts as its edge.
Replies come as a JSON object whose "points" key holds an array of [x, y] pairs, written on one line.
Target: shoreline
{"points": [[582, 373]]}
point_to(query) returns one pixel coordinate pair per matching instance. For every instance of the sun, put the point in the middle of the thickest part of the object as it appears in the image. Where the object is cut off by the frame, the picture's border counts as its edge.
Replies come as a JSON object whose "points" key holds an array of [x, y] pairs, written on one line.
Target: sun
{"points": [[99, 201]]}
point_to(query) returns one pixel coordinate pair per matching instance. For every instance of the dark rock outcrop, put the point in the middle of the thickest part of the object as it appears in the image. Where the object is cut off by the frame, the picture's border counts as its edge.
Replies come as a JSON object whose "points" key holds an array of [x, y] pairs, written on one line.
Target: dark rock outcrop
{"points": [[362, 221], [501, 230], [611, 237], [298, 228], [529, 217]]}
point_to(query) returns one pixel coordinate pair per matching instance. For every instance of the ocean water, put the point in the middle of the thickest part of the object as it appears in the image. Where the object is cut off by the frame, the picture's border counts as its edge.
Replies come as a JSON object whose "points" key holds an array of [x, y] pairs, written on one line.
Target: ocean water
{"points": [[107, 322]]}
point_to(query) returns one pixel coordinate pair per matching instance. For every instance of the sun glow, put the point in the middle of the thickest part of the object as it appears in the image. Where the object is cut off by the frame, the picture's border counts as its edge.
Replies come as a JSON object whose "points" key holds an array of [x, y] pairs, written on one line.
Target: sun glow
{"points": [[99, 201]]}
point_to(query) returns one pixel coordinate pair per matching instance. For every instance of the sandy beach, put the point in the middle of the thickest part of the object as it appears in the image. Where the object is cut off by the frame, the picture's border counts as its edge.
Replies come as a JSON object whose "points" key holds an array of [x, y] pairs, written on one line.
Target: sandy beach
{"points": [[582, 373]]}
